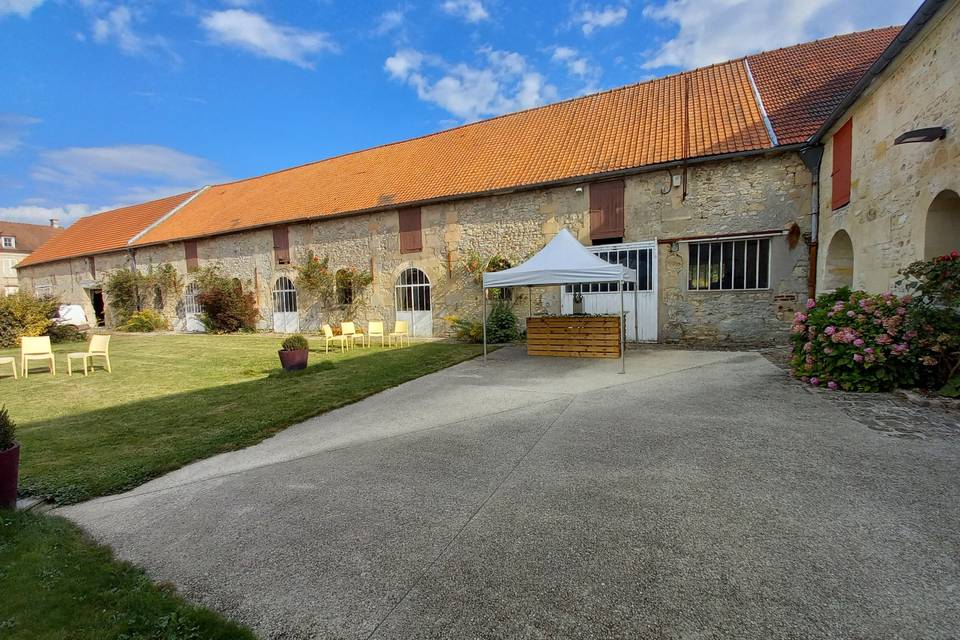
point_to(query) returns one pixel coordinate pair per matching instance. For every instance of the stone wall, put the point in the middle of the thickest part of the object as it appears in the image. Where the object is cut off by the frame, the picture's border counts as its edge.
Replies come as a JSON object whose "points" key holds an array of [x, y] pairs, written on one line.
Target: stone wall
{"points": [[892, 186], [740, 196]]}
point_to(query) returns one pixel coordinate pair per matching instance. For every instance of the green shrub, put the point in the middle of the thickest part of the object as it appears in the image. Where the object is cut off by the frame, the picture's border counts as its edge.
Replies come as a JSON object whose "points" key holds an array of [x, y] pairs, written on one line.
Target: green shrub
{"points": [[65, 333], [132, 291], [466, 330], [295, 342], [8, 430], [934, 315], [501, 324], [146, 321], [23, 314], [226, 307]]}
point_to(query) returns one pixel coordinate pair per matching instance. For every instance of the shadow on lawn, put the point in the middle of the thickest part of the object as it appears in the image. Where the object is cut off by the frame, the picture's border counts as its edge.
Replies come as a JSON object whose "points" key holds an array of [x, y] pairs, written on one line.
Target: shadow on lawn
{"points": [[77, 457]]}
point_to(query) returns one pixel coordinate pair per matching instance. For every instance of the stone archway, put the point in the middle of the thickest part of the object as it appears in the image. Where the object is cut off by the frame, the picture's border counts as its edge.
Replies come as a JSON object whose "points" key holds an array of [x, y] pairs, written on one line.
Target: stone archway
{"points": [[839, 265], [941, 234]]}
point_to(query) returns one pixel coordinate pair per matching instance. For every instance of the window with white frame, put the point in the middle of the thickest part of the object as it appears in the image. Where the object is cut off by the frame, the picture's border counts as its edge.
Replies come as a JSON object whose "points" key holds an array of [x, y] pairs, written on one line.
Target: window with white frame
{"points": [[9, 242], [729, 265], [43, 290], [8, 266]]}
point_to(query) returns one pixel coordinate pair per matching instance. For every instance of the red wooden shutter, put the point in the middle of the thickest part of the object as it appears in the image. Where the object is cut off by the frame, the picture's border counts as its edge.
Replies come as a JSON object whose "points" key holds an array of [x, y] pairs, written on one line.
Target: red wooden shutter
{"points": [[411, 235], [606, 210], [190, 253], [281, 244], [842, 159]]}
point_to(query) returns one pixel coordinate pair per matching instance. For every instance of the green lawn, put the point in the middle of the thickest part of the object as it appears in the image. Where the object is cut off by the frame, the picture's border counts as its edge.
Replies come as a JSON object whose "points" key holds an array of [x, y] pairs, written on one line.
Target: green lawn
{"points": [[174, 399], [58, 585]]}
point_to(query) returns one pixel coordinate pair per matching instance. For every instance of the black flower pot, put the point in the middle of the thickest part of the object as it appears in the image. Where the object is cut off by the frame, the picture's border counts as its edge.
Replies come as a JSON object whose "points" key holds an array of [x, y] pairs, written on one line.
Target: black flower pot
{"points": [[9, 472], [294, 360]]}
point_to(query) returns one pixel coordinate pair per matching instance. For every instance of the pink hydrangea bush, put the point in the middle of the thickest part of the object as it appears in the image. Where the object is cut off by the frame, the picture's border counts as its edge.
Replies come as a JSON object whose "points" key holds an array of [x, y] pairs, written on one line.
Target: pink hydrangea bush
{"points": [[854, 341]]}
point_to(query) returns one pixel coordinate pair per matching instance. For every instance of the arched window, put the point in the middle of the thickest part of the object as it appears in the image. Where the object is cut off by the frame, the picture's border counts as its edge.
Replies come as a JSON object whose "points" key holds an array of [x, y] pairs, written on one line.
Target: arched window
{"points": [[344, 287], [413, 291], [190, 304], [839, 263], [942, 231], [284, 296]]}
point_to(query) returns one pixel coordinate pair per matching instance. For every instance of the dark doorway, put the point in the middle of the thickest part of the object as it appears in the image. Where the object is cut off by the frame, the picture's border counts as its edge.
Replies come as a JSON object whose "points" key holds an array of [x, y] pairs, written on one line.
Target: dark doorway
{"points": [[96, 297]]}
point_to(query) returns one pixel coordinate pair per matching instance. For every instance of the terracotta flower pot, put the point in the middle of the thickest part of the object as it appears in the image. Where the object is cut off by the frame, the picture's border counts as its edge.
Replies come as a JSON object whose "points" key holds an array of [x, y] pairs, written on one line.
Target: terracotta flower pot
{"points": [[9, 472], [294, 360]]}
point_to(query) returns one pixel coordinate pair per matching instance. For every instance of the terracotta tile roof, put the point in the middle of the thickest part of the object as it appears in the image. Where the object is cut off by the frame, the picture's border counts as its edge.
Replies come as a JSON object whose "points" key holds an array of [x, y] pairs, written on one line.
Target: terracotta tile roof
{"points": [[104, 232], [801, 85], [28, 236], [636, 125]]}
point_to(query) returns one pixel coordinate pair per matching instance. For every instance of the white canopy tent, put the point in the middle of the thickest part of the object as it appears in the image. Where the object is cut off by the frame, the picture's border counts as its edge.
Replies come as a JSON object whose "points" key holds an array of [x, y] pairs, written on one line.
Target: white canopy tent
{"points": [[563, 261]]}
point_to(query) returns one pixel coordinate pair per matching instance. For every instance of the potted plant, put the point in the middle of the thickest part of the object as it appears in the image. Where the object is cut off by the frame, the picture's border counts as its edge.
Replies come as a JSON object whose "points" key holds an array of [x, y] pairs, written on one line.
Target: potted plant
{"points": [[9, 461], [293, 353]]}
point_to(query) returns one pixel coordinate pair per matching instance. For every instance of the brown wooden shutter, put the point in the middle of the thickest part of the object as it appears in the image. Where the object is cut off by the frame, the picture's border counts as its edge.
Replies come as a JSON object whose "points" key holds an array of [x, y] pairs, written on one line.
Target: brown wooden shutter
{"points": [[190, 253], [411, 234], [281, 244], [842, 160], [93, 267], [606, 210]]}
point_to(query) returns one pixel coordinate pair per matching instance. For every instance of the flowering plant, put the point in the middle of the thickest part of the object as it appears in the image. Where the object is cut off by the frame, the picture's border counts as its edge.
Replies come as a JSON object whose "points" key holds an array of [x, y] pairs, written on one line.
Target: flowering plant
{"points": [[854, 341]]}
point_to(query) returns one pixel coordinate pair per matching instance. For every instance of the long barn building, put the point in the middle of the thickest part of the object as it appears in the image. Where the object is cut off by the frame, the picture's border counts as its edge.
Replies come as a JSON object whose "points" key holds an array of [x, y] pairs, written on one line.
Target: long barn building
{"points": [[702, 181]]}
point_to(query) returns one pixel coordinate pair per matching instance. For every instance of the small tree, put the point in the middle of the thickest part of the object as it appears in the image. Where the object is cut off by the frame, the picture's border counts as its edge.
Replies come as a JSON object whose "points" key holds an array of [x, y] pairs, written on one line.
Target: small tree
{"points": [[226, 307], [8, 430], [22, 314]]}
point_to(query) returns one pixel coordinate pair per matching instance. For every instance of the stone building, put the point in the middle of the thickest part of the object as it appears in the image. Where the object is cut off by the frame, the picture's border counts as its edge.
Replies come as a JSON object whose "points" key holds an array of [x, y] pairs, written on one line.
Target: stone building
{"points": [[884, 202], [695, 180], [17, 241]]}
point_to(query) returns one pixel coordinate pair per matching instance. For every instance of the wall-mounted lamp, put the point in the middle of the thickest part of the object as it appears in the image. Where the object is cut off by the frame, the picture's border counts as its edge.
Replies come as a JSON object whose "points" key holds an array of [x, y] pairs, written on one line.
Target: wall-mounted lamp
{"points": [[921, 135], [579, 189]]}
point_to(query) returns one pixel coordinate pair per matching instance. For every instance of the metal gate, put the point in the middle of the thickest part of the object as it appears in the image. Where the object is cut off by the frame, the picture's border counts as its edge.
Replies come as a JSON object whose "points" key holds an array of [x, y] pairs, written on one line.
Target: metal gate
{"points": [[413, 301], [192, 310], [640, 297], [286, 318]]}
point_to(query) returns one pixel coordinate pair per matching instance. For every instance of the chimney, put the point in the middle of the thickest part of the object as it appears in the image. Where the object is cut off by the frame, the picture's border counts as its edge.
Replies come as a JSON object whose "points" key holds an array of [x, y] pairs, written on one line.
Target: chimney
{"points": [[55, 223]]}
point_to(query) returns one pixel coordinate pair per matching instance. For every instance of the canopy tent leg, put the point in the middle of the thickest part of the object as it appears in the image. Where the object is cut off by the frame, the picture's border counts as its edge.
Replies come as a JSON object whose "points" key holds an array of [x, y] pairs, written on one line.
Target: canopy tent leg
{"points": [[530, 299], [623, 334], [483, 294]]}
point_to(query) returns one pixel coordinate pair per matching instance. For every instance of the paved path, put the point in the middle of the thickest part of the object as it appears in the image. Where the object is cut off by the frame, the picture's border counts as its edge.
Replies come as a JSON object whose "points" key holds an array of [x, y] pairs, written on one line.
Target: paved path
{"points": [[702, 495]]}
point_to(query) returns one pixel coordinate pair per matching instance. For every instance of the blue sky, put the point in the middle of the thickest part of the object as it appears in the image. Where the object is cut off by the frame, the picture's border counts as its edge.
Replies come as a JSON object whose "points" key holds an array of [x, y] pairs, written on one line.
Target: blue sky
{"points": [[110, 102]]}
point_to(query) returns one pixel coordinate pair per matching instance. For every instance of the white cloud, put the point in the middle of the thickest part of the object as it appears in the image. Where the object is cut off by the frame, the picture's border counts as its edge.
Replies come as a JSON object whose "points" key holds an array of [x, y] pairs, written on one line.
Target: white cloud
{"points": [[117, 26], [85, 166], [22, 8], [501, 83], [576, 64], [592, 19], [13, 128], [469, 10], [36, 214], [710, 31], [252, 32], [390, 21]]}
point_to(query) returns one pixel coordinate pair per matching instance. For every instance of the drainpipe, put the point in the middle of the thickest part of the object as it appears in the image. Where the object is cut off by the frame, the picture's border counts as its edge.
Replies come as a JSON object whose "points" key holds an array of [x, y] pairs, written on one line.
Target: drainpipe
{"points": [[811, 157]]}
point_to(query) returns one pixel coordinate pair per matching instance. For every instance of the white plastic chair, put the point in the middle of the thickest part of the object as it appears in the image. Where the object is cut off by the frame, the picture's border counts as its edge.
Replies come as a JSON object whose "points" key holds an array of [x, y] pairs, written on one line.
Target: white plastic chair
{"points": [[328, 337], [99, 348], [401, 330], [36, 348], [375, 330]]}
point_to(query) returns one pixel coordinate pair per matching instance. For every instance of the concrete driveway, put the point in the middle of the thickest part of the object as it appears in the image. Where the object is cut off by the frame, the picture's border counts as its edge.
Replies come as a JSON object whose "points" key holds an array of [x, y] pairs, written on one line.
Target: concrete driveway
{"points": [[702, 495]]}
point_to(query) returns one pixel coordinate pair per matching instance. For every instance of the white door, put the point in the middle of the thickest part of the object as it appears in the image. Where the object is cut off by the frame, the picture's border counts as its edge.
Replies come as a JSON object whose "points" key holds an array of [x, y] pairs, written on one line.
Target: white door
{"points": [[413, 302], [286, 316], [639, 298], [192, 310]]}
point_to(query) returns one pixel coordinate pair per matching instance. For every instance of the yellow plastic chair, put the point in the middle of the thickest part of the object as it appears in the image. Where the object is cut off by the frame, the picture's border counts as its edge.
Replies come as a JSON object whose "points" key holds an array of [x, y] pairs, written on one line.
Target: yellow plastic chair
{"points": [[12, 362], [328, 337], [401, 330], [349, 330], [99, 348], [36, 348], [375, 330]]}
